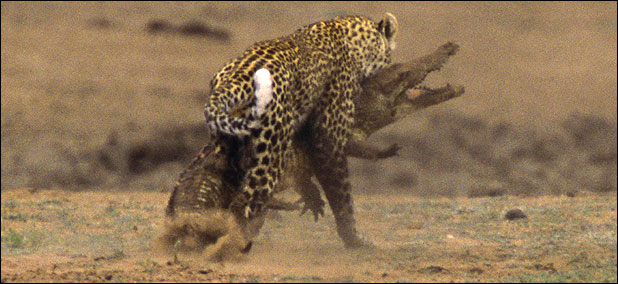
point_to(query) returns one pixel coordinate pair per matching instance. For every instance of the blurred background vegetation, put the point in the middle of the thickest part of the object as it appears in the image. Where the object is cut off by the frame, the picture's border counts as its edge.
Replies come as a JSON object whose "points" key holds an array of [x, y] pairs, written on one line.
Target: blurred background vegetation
{"points": [[109, 95]]}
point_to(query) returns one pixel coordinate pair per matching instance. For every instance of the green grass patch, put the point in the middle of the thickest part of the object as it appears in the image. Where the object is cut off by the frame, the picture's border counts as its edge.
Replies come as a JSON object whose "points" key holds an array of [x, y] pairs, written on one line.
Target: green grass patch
{"points": [[29, 238]]}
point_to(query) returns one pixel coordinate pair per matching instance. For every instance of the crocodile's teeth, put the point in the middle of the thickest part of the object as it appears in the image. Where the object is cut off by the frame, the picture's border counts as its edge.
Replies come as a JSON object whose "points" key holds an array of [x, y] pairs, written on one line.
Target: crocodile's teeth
{"points": [[414, 93], [423, 87]]}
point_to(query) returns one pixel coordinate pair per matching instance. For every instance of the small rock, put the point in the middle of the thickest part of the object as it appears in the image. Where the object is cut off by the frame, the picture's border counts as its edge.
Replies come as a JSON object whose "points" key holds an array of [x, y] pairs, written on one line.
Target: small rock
{"points": [[432, 269], [515, 214], [205, 271]]}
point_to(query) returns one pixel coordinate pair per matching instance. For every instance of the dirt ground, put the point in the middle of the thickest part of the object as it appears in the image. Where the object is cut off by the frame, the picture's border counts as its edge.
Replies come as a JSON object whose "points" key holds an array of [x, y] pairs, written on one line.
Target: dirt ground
{"points": [[53, 235], [102, 109]]}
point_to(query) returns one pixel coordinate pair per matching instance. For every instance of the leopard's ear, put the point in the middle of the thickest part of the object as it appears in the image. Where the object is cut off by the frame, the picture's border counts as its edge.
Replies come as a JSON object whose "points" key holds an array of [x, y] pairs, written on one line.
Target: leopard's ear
{"points": [[389, 27]]}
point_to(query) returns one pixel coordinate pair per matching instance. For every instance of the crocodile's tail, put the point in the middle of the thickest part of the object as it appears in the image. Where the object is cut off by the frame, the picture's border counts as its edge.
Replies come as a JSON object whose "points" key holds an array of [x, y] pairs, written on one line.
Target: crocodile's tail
{"points": [[221, 117]]}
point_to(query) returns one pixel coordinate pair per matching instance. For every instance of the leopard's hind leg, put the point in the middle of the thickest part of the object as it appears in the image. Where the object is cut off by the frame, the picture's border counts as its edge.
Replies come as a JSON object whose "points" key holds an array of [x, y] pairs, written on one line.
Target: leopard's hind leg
{"points": [[267, 146]]}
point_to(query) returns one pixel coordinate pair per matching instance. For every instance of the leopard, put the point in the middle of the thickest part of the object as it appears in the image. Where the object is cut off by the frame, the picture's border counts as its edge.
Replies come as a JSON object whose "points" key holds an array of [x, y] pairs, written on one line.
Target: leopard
{"points": [[303, 82]]}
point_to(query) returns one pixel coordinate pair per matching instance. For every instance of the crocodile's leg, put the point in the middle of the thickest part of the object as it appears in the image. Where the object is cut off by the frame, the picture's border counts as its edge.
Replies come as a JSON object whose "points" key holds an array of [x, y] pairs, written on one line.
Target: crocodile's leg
{"points": [[363, 150]]}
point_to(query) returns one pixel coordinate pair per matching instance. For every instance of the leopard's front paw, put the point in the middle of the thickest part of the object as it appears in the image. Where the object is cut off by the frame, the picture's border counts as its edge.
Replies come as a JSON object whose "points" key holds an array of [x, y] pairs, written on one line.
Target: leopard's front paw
{"points": [[358, 242]]}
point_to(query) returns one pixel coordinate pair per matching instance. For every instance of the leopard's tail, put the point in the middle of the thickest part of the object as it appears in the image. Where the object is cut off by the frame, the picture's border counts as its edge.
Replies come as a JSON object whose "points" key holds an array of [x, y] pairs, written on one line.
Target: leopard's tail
{"points": [[219, 120], [219, 116]]}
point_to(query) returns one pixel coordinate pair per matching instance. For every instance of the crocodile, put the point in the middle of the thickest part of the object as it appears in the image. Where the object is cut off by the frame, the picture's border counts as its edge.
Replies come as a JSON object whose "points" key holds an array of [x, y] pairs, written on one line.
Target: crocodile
{"points": [[389, 95]]}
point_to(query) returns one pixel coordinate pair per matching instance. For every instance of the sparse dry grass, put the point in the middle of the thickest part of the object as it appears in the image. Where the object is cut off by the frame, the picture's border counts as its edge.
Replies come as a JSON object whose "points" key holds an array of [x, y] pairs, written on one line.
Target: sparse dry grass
{"points": [[418, 239]]}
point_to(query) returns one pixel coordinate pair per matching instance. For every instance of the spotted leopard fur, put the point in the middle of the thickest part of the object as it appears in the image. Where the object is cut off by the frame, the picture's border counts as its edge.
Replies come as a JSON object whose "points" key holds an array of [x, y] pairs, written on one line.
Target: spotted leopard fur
{"points": [[306, 80]]}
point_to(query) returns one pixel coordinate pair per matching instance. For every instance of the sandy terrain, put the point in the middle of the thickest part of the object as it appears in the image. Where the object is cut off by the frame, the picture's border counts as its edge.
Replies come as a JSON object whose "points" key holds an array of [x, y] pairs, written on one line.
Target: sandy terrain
{"points": [[100, 115], [53, 235]]}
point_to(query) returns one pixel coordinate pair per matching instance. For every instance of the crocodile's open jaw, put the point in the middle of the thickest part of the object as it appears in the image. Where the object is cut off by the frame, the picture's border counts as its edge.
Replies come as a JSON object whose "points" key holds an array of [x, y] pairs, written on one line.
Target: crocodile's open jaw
{"points": [[423, 96]]}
